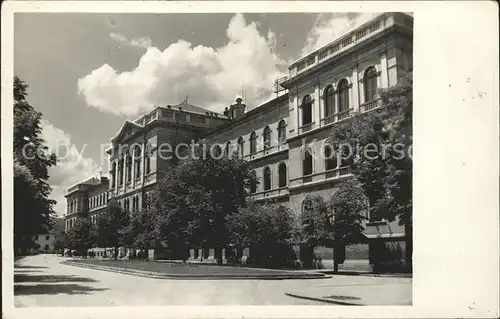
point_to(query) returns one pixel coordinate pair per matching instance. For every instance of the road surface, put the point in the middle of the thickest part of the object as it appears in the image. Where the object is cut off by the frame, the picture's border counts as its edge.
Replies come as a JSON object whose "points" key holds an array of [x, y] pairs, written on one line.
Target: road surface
{"points": [[41, 281]]}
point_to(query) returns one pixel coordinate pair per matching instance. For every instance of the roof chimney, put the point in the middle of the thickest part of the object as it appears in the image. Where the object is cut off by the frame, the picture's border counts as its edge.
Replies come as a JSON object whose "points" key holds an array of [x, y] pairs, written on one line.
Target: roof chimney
{"points": [[238, 109]]}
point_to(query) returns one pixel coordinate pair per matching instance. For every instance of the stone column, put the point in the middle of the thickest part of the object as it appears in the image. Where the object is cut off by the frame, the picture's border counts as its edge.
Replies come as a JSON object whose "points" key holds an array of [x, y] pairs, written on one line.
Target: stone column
{"points": [[293, 123], [132, 171], [124, 170], [317, 104], [355, 90]]}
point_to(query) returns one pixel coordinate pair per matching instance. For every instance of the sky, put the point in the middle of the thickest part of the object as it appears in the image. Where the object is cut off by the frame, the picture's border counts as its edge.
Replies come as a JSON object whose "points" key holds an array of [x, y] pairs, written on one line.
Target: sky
{"points": [[89, 72]]}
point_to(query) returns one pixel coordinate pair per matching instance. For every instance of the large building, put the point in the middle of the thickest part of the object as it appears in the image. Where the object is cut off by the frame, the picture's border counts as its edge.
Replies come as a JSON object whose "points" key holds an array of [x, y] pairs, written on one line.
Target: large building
{"points": [[283, 137]]}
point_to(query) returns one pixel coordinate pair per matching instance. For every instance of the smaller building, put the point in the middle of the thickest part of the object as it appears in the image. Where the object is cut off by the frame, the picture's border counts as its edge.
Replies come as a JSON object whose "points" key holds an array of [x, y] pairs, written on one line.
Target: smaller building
{"points": [[45, 243]]}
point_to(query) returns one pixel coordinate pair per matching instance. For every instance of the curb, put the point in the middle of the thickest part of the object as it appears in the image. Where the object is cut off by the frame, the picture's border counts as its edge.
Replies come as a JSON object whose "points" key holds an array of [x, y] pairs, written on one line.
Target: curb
{"points": [[331, 301], [156, 275], [367, 274]]}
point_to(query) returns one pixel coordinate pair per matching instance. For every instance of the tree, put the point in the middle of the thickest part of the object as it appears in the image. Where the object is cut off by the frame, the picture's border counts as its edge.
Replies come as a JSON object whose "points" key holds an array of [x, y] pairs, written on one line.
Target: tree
{"points": [[111, 227], [61, 242], [82, 237], [191, 204], [269, 230], [335, 222], [141, 232], [383, 163], [32, 207]]}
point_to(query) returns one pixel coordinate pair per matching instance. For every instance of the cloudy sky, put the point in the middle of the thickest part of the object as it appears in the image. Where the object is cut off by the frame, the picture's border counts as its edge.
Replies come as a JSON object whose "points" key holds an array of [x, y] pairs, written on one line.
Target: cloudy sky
{"points": [[87, 73]]}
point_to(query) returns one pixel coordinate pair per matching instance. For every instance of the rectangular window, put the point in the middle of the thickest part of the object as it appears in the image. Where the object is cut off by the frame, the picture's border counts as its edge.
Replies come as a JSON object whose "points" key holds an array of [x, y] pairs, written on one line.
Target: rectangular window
{"points": [[180, 117], [301, 66], [47, 237], [323, 54], [197, 118], [167, 113], [46, 247], [311, 60]]}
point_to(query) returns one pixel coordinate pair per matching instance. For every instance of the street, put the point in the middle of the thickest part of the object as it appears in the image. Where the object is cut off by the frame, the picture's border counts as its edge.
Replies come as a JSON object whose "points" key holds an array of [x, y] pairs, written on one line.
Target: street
{"points": [[41, 281]]}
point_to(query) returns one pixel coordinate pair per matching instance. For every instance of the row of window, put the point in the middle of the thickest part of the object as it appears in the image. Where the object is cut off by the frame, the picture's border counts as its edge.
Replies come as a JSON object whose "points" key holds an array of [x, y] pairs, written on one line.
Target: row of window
{"points": [[266, 139], [267, 178], [70, 223], [128, 173], [342, 101], [126, 203], [98, 200], [72, 205], [46, 237], [332, 161]]}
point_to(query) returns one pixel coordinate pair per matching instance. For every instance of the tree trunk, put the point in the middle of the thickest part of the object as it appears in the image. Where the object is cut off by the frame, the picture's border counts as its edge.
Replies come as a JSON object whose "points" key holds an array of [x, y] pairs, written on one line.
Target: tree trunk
{"points": [[116, 252], [335, 264], [218, 255]]}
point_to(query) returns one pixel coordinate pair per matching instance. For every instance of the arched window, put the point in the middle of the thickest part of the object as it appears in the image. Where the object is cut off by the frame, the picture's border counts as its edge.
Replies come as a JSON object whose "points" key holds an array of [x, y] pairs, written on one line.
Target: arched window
{"points": [[253, 143], [240, 146], [343, 92], [228, 148], [129, 168], [137, 163], [329, 101], [281, 131], [147, 161], [307, 163], [253, 186], [330, 158], [217, 150], [306, 205], [267, 137], [282, 175], [267, 178], [306, 110], [370, 82], [346, 158], [113, 175]]}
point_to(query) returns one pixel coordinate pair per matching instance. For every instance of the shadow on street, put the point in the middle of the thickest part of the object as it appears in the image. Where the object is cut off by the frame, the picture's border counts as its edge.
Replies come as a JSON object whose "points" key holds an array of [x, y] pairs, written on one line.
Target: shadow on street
{"points": [[51, 289], [50, 278], [28, 284], [29, 267]]}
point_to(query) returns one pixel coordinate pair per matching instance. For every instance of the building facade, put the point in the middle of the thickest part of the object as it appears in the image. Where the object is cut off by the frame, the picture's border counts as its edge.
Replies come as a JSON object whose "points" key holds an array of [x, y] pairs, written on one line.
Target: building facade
{"points": [[284, 137], [45, 242], [139, 156], [86, 199]]}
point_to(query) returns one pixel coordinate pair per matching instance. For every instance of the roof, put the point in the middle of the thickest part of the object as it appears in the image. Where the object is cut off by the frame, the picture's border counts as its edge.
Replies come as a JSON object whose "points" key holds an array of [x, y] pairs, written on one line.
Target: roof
{"points": [[194, 109], [92, 181], [273, 102]]}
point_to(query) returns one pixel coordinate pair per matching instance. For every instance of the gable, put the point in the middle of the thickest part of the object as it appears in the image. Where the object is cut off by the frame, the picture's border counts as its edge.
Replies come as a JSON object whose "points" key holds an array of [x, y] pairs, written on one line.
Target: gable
{"points": [[127, 129]]}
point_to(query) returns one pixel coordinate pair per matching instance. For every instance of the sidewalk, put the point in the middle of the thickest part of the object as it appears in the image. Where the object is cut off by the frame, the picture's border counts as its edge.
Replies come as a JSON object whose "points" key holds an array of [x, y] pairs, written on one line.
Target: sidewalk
{"points": [[359, 291]]}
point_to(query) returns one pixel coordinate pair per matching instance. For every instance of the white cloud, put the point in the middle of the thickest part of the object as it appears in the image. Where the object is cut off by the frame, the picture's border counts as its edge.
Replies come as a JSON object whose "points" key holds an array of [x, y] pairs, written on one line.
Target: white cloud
{"points": [[142, 42], [330, 26], [72, 166], [211, 77]]}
